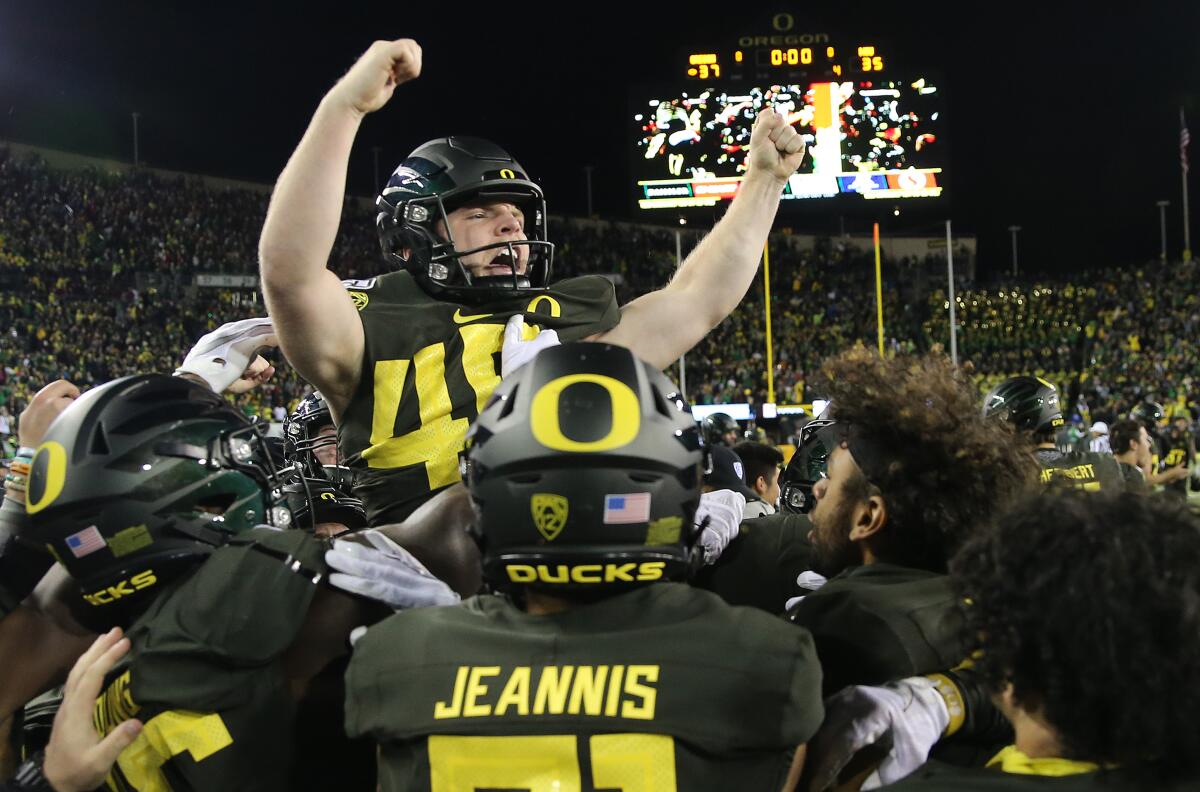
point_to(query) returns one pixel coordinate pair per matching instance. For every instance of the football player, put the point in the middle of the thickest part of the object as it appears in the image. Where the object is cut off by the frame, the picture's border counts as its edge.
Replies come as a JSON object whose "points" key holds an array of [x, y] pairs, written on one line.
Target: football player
{"points": [[1180, 447], [897, 472], [1031, 405], [1131, 448], [407, 360], [318, 489], [589, 668], [720, 430], [161, 502], [1149, 414], [1108, 707]]}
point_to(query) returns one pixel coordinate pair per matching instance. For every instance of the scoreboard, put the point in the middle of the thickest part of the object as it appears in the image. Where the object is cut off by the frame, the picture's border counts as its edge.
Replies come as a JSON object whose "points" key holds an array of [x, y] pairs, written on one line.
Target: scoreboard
{"points": [[807, 56], [873, 131]]}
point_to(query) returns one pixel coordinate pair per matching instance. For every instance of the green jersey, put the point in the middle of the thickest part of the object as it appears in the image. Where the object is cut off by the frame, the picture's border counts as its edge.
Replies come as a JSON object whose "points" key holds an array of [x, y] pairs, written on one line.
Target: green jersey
{"points": [[880, 622], [1135, 479], [661, 688], [760, 566], [1178, 450], [938, 777], [1086, 470], [204, 673], [428, 368]]}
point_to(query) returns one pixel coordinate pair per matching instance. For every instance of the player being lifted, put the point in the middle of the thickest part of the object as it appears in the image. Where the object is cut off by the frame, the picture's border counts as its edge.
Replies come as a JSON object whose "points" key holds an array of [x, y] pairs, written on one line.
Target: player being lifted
{"points": [[407, 360]]}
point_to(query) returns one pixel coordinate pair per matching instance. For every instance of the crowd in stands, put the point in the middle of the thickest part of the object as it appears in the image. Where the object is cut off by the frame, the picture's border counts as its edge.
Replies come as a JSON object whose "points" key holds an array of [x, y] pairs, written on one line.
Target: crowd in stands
{"points": [[97, 281]]}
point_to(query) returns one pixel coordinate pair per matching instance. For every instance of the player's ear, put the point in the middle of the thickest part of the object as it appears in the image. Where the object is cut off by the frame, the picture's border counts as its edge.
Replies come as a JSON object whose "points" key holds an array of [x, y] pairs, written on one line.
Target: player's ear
{"points": [[869, 518]]}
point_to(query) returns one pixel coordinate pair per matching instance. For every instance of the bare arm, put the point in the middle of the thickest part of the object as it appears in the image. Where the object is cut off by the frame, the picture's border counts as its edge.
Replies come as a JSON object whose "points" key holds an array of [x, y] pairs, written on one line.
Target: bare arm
{"points": [[318, 327], [660, 326], [39, 641], [796, 770]]}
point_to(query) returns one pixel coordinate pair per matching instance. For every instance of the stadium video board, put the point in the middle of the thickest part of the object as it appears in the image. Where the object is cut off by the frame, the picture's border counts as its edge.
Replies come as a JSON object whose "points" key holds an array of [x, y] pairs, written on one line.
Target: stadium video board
{"points": [[869, 138]]}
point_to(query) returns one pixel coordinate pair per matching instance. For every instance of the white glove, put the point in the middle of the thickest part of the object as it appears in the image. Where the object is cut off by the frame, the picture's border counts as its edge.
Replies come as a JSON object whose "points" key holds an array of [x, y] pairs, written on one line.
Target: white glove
{"points": [[517, 352], [723, 509], [385, 572], [222, 357], [909, 714]]}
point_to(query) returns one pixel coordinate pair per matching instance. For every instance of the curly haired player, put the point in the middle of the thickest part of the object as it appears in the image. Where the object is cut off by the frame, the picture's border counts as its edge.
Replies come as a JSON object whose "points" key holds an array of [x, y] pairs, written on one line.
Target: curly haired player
{"points": [[1096, 664]]}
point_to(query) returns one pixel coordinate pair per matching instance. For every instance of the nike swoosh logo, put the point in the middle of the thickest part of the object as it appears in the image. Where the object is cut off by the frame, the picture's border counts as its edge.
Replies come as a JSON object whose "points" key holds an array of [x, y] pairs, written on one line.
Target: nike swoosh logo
{"points": [[460, 319]]}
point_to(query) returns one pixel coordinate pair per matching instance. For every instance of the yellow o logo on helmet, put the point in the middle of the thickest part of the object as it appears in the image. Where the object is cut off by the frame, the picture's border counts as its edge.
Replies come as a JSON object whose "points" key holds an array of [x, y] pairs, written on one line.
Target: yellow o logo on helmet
{"points": [[507, 174], [49, 470], [626, 415]]}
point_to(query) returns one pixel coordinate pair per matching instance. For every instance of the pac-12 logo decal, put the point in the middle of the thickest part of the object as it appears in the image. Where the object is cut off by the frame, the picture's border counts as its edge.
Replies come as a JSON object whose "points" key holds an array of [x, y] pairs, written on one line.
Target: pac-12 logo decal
{"points": [[549, 514], [360, 299]]}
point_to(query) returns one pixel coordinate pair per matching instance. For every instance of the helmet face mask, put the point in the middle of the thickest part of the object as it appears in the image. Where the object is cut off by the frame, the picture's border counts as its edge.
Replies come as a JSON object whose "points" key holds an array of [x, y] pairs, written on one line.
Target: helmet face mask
{"points": [[317, 501], [303, 439], [318, 493], [138, 481], [414, 219], [584, 470]]}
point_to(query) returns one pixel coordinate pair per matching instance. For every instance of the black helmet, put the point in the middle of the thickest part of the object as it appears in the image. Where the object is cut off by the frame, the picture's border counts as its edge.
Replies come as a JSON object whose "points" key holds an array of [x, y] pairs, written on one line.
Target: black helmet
{"points": [[809, 464], [585, 471], [716, 426], [1148, 414], [313, 501], [302, 438], [434, 180], [1028, 403], [138, 481]]}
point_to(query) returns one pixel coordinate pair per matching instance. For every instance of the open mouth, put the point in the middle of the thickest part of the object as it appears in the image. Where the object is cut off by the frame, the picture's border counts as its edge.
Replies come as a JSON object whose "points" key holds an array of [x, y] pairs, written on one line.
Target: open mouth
{"points": [[503, 264]]}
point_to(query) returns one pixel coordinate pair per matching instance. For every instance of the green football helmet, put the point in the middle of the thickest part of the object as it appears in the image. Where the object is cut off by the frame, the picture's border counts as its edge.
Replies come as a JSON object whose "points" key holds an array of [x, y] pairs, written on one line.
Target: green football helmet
{"points": [[138, 481]]}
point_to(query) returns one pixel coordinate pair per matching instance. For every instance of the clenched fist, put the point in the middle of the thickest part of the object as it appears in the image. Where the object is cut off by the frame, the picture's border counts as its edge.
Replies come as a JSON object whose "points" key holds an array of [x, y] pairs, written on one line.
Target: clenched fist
{"points": [[369, 84], [775, 147]]}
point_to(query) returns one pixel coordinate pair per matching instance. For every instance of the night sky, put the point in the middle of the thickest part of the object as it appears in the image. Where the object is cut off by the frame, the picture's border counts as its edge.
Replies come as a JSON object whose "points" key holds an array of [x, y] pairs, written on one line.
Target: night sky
{"points": [[1065, 122]]}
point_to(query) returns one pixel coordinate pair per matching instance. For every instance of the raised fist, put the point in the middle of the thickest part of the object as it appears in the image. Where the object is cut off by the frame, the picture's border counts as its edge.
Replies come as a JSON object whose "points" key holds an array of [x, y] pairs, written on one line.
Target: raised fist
{"points": [[369, 84], [775, 146]]}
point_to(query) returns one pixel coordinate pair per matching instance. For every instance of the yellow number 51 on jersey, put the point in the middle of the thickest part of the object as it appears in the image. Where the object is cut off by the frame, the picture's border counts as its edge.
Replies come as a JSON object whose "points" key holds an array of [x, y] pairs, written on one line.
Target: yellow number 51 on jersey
{"points": [[550, 763]]}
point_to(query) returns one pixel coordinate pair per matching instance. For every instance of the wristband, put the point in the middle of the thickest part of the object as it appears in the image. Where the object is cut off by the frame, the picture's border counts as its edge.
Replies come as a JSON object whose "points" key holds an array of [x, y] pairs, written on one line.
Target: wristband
{"points": [[954, 701]]}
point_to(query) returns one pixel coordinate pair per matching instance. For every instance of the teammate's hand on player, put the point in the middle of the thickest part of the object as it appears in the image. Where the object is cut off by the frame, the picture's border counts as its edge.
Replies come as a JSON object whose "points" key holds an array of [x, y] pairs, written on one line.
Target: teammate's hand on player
{"points": [[371, 565], [907, 716], [517, 351], [77, 758], [775, 146], [719, 516], [369, 84], [227, 359], [42, 409]]}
